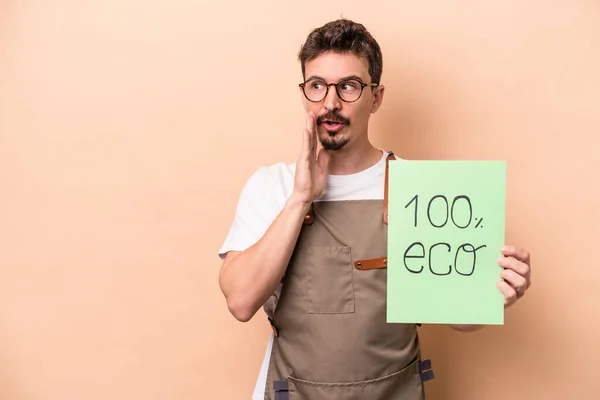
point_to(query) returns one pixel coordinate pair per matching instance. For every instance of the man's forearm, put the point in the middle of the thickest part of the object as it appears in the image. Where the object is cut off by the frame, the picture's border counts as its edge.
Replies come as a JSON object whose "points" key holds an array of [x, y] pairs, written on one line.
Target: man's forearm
{"points": [[248, 278]]}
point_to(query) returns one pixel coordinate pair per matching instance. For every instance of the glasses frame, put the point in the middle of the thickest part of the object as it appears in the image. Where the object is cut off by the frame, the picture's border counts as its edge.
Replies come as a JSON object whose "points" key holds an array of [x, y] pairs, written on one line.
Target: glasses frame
{"points": [[337, 89]]}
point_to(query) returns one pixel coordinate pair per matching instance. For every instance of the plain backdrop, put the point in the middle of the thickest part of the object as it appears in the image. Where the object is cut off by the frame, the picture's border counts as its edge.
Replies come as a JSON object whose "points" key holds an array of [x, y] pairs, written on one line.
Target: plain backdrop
{"points": [[128, 128]]}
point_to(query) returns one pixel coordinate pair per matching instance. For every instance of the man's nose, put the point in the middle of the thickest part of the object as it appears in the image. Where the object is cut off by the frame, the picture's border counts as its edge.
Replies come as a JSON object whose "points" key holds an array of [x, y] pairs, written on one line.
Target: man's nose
{"points": [[332, 100]]}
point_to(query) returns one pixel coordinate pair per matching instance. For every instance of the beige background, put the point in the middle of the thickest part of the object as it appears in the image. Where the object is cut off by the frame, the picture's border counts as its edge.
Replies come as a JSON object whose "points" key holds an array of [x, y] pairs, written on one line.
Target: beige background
{"points": [[127, 129]]}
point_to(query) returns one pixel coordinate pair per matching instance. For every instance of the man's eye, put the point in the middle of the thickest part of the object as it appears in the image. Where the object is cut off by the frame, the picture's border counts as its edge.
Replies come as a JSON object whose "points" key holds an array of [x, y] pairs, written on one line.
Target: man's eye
{"points": [[349, 86]]}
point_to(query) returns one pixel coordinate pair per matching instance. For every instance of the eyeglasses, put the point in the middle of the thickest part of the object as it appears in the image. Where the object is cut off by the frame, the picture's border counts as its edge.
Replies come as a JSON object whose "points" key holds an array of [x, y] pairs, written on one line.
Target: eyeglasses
{"points": [[348, 90]]}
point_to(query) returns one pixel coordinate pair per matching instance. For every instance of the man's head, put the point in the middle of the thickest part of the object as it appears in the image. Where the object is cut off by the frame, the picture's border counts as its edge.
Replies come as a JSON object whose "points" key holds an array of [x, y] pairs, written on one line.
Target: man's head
{"points": [[341, 52]]}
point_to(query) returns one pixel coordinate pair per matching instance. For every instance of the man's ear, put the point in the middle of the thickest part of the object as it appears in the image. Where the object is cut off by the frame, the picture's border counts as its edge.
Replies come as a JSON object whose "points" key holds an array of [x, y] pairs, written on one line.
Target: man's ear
{"points": [[377, 98]]}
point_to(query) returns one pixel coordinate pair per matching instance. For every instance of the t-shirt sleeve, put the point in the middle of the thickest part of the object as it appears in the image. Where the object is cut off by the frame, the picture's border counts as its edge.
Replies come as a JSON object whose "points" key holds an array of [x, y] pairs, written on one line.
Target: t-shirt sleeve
{"points": [[255, 212]]}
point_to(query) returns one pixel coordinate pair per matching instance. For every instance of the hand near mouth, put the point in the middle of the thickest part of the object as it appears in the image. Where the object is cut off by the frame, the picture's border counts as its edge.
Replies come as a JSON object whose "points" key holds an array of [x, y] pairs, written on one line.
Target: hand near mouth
{"points": [[311, 166]]}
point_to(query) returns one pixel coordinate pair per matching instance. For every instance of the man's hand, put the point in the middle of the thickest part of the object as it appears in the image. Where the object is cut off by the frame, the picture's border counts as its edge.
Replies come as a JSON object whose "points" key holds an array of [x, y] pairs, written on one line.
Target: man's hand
{"points": [[516, 279], [516, 274], [311, 170]]}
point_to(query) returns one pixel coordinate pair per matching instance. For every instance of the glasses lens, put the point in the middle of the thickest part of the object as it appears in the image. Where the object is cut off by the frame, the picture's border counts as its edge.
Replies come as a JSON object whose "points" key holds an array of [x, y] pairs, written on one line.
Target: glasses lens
{"points": [[349, 90], [315, 90]]}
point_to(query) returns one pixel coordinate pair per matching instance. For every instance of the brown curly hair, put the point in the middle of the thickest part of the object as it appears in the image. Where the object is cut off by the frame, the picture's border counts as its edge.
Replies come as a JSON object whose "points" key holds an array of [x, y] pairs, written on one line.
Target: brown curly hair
{"points": [[343, 36]]}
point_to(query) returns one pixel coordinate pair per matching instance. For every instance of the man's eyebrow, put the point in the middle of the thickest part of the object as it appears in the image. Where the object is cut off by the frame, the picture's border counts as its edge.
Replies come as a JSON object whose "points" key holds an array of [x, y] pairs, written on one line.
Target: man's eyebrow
{"points": [[358, 78], [316, 77]]}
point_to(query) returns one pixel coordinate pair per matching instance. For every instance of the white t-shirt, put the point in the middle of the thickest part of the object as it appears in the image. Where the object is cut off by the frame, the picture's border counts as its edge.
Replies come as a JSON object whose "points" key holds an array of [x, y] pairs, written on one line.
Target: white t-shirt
{"points": [[262, 199]]}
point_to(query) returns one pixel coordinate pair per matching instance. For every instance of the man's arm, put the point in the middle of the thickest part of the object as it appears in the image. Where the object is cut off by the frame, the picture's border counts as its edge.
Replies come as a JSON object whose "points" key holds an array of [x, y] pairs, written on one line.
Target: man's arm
{"points": [[248, 278]]}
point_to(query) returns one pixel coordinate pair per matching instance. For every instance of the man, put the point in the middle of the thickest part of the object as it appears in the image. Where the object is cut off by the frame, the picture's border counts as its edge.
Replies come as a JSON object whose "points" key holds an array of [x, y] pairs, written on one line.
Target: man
{"points": [[302, 231]]}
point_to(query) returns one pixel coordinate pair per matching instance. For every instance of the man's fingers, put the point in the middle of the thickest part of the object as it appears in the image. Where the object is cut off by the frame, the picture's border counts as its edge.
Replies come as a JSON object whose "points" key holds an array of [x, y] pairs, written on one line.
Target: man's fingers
{"points": [[305, 142], [308, 140], [516, 281], [310, 127], [314, 124], [510, 294], [512, 263], [310, 123], [517, 252]]}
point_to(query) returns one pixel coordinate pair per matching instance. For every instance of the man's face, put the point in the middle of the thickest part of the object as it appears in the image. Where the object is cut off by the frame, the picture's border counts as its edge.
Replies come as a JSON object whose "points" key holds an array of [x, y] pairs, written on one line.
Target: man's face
{"points": [[339, 122]]}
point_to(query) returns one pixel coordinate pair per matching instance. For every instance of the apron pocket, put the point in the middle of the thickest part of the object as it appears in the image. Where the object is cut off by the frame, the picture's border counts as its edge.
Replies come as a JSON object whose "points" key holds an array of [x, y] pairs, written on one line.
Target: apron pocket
{"points": [[405, 384], [330, 280]]}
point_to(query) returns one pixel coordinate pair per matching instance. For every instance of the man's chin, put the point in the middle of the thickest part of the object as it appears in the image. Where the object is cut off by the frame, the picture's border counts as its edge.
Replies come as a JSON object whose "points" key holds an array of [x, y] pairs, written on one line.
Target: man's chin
{"points": [[333, 145], [332, 141]]}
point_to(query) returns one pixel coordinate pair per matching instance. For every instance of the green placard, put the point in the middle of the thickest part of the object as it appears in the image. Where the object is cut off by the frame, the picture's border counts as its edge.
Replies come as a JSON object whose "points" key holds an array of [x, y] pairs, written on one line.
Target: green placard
{"points": [[446, 228]]}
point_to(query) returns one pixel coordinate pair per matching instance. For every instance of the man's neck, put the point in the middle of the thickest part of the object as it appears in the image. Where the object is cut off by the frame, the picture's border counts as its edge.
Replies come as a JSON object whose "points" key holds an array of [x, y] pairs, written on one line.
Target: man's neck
{"points": [[354, 159]]}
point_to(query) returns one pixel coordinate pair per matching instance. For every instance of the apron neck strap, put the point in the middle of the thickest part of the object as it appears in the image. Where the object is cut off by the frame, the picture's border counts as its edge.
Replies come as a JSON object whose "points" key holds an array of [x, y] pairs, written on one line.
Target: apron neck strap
{"points": [[390, 156]]}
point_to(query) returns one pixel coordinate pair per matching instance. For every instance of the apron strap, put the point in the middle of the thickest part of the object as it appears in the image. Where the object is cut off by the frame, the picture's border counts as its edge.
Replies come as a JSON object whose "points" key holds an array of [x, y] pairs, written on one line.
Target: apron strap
{"points": [[308, 219], [391, 156], [281, 390], [379, 262], [425, 370]]}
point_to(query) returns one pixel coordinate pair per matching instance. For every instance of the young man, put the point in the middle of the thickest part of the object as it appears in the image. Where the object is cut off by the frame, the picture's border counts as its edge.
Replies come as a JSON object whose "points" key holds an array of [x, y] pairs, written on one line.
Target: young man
{"points": [[303, 231]]}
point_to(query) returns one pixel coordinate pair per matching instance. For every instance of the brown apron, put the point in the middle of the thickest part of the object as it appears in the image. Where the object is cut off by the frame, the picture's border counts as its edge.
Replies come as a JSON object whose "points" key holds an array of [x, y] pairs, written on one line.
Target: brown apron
{"points": [[331, 336]]}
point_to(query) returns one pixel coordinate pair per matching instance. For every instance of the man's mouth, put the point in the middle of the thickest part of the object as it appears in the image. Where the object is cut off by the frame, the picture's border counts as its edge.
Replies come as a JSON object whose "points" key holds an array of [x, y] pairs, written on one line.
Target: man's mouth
{"points": [[332, 125]]}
